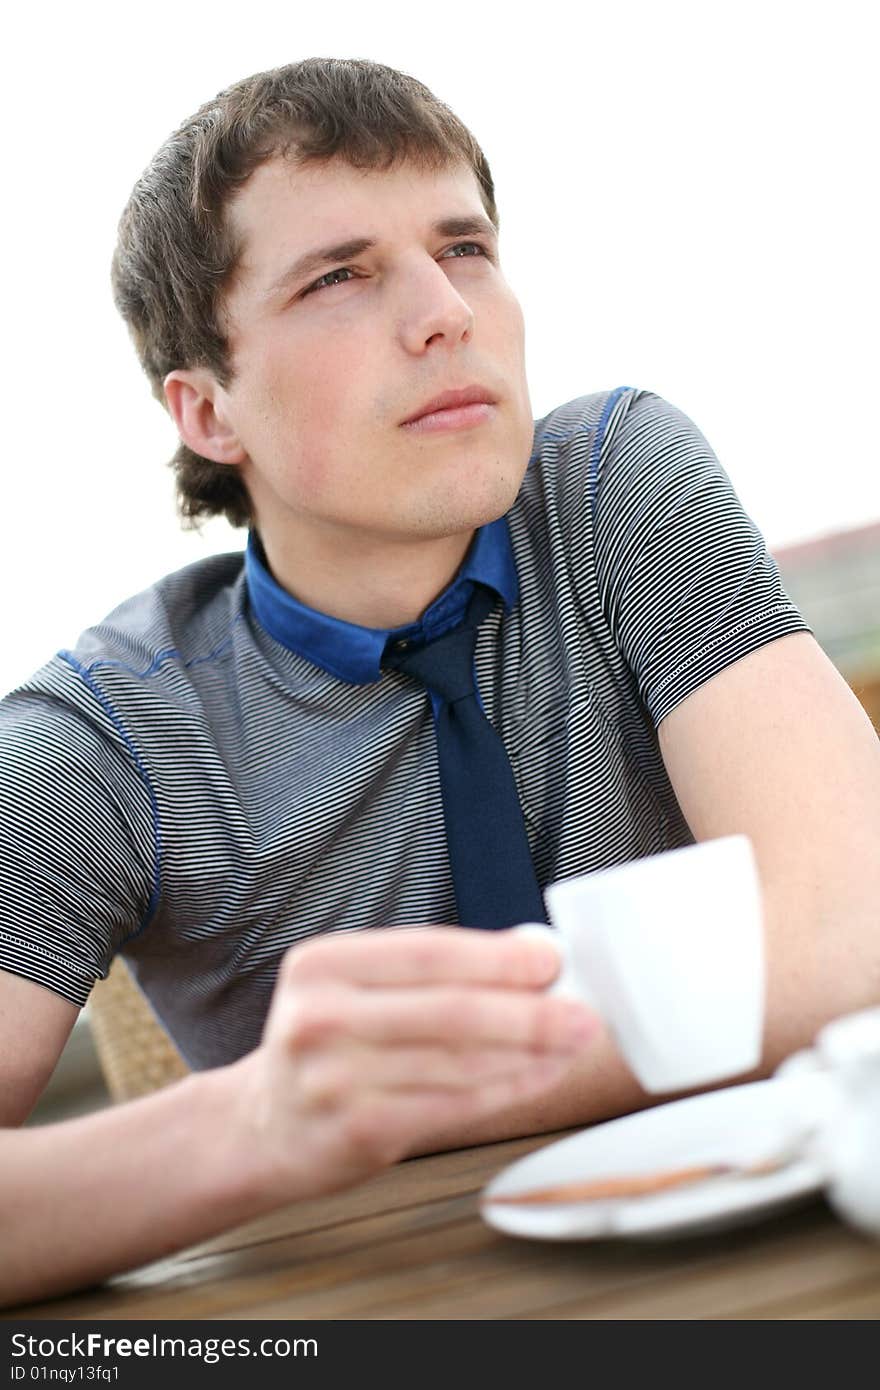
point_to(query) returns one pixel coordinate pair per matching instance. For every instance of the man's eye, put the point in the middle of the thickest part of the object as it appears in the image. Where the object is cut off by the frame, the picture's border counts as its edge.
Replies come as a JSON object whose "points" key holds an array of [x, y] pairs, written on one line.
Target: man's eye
{"points": [[466, 247], [327, 280], [460, 251]]}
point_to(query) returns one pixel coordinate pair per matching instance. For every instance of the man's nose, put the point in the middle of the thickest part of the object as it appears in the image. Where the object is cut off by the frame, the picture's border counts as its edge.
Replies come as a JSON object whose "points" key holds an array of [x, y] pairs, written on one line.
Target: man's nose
{"points": [[432, 310]]}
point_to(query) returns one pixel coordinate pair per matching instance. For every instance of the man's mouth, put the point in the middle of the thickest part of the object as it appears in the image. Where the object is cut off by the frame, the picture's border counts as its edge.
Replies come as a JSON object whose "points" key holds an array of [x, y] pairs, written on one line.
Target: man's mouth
{"points": [[453, 410]]}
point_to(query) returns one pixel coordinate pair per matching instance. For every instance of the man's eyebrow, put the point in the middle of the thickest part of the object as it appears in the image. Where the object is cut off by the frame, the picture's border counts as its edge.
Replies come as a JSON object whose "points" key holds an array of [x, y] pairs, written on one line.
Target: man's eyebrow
{"points": [[313, 261]]}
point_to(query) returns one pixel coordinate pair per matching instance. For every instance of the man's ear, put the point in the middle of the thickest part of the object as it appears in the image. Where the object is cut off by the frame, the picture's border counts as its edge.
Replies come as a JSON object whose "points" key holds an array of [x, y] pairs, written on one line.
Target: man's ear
{"points": [[196, 403]]}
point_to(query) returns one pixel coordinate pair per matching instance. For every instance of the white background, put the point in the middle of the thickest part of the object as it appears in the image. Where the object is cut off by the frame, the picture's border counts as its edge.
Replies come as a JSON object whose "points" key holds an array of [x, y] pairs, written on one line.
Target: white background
{"points": [[687, 196]]}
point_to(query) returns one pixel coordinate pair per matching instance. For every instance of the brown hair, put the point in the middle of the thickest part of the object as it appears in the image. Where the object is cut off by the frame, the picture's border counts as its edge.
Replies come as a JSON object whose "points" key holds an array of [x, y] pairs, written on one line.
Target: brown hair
{"points": [[175, 254]]}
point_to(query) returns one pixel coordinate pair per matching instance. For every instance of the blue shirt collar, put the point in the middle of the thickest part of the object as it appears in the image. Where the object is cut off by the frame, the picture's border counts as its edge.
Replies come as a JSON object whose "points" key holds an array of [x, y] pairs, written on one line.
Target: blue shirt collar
{"points": [[354, 653]]}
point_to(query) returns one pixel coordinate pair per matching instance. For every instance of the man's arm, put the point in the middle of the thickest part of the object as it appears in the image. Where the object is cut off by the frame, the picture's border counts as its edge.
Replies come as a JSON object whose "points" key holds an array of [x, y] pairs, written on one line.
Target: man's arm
{"points": [[776, 747], [372, 1039], [34, 1026]]}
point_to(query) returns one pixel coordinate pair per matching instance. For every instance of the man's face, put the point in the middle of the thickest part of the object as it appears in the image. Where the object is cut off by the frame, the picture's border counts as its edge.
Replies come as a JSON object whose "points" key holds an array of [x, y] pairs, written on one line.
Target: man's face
{"points": [[329, 362]]}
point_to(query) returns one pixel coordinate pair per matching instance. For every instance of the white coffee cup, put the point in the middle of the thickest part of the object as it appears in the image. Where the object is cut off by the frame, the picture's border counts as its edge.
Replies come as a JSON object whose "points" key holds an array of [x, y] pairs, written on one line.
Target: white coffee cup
{"points": [[669, 952]]}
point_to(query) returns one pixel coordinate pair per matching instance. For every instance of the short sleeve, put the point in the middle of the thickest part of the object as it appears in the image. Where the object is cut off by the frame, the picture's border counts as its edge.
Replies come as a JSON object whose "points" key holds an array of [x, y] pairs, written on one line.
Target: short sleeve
{"points": [[77, 871], [686, 582]]}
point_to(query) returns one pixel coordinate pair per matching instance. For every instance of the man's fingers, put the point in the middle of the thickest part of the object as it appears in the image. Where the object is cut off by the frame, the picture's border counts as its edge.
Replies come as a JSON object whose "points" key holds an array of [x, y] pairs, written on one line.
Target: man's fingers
{"points": [[453, 1017], [331, 1080], [424, 955]]}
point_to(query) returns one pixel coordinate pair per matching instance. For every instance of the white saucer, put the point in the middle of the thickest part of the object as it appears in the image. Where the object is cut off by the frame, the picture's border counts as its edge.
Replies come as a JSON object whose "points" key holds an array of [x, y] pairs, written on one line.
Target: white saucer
{"points": [[739, 1125]]}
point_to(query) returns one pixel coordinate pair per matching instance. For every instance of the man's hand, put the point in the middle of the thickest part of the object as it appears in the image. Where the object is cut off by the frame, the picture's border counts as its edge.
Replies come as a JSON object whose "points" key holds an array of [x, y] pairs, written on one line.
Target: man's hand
{"points": [[377, 1040], [373, 1042]]}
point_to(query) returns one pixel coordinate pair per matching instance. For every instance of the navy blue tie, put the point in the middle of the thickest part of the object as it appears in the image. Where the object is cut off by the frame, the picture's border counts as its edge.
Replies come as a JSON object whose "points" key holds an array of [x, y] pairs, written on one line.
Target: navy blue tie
{"points": [[492, 870]]}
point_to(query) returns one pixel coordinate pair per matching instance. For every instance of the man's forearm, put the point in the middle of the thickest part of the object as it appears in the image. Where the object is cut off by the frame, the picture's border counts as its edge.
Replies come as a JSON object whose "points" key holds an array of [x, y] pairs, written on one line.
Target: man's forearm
{"points": [[93, 1196]]}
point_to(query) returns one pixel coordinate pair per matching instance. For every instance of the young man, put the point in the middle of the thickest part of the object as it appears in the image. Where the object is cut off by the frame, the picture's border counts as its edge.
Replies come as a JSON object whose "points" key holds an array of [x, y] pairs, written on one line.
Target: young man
{"points": [[240, 771]]}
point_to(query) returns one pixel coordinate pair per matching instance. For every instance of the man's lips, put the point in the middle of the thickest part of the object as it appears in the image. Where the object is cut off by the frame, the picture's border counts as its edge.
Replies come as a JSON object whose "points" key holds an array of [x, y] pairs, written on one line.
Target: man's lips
{"points": [[453, 410], [451, 400]]}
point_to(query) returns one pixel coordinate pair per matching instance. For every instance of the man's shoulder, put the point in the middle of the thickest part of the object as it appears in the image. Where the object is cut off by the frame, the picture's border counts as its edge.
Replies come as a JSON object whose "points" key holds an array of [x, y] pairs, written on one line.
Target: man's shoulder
{"points": [[183, 615], [629, 433], [582, 415], [183, 620], [569, 444], [599, 416]]}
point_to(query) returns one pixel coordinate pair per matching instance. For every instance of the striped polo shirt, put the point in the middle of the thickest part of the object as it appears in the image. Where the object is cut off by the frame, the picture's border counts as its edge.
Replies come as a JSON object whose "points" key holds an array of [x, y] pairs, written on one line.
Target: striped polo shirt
{"points": [[217, 772]]}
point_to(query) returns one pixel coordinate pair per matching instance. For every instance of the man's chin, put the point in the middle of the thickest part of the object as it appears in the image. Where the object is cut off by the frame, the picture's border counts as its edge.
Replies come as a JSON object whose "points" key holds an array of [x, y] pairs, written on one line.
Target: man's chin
{"points": [[496, 495], [467, 509]]}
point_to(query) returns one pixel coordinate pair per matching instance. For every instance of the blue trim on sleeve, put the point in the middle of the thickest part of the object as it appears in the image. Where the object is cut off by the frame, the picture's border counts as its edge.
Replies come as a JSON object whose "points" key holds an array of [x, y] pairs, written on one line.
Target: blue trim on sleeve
{"points": [[596, 451], [158, 660], [85, 675], [166, 654]]}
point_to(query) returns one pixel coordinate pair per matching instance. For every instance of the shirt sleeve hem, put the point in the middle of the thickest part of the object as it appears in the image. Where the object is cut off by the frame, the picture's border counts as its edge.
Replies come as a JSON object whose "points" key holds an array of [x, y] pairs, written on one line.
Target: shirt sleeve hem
{"points": [[713, 657], [41, 967]]}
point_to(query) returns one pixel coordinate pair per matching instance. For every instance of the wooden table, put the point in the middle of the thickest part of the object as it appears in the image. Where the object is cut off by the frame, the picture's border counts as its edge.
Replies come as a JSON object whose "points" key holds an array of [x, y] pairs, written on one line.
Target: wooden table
{"points": [[411, 1245]]}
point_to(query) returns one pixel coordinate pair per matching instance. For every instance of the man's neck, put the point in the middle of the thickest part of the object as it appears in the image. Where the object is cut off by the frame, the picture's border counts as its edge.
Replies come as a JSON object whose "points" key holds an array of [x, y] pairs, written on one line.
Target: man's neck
{"points": [[373, 582]]}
